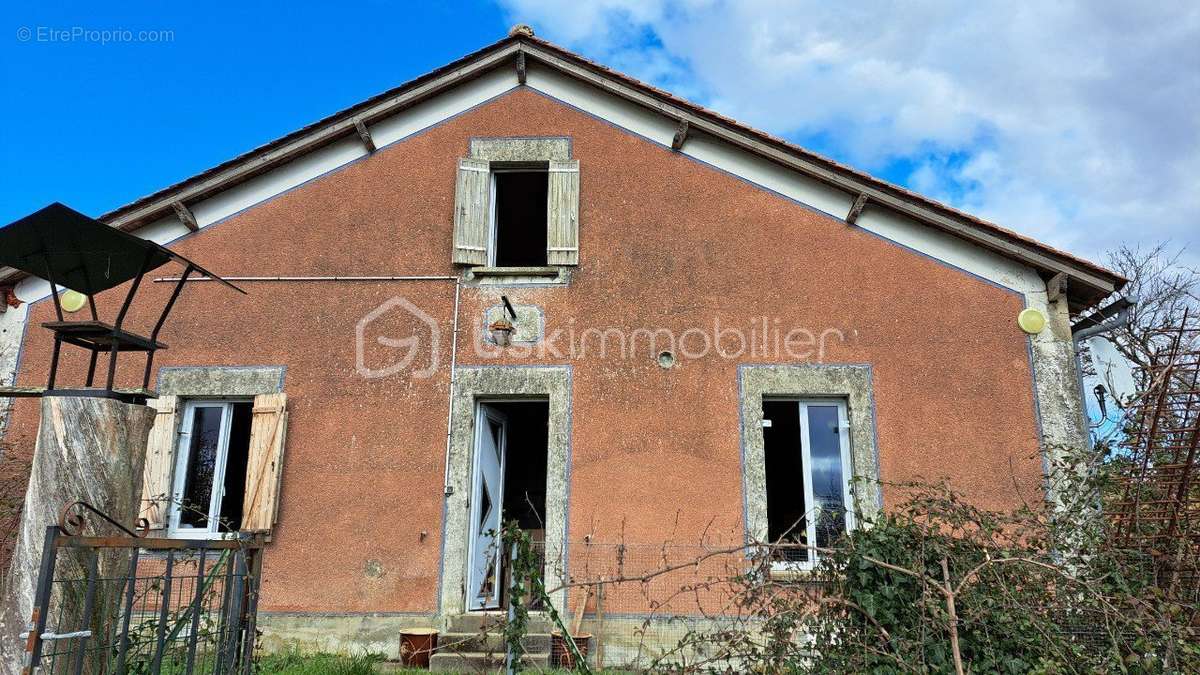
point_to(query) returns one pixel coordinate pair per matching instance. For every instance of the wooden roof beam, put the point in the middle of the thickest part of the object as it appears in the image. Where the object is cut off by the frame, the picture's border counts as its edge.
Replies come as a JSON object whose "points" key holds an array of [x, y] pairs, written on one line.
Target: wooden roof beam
{"points": [[301, 144], [364, 134], [8, 298], [681, 134], [1056, 287], [185, 216], [856, 209]]}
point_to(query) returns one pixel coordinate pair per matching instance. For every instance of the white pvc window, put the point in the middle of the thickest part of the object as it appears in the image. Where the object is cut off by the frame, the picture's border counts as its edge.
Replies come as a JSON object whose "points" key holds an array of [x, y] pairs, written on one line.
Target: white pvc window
{"points": [[203, 503], [819, 433]]}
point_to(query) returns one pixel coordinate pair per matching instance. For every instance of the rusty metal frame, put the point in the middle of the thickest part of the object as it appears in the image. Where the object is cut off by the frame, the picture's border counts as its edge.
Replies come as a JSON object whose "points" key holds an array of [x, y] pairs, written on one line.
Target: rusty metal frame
{"points": [[238, 607], [68, 520], [1158, 512]]}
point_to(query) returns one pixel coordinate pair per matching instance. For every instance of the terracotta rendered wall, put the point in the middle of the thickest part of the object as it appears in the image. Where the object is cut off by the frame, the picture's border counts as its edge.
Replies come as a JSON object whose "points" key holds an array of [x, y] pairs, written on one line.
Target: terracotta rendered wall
{"points": [[665, 242]]}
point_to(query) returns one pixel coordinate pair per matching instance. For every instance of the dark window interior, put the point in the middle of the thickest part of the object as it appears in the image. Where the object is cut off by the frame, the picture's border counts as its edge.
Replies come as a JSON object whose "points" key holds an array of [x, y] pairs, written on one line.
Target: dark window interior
{"points": [[521, 218], [201, 466], [202, 463], [785, 474], [235, 467], [525, 463]]}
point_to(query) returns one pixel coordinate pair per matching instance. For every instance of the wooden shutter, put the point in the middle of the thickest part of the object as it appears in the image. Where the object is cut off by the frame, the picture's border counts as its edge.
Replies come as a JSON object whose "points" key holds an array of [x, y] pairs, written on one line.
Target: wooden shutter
{"points": [[264, 465], [160, 462], [562, 214], [471, 216]]}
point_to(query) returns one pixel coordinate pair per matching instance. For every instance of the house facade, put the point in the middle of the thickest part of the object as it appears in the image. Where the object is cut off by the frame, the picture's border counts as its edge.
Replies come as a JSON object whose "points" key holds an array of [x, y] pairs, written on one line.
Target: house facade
{"points": [[525, 287]]}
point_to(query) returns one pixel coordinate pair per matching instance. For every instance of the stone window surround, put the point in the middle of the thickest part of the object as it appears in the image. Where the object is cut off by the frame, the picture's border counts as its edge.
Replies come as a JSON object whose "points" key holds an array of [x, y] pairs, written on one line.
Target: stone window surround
{"points": [[851, 383], [481, 383], [217, 382], [517, 150]]}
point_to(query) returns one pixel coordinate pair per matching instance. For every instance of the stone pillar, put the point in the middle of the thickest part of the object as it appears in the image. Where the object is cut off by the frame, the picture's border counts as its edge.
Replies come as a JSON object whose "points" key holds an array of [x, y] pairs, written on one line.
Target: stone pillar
{"points": [[1060, 401], [1059, 398], [88, 449]]}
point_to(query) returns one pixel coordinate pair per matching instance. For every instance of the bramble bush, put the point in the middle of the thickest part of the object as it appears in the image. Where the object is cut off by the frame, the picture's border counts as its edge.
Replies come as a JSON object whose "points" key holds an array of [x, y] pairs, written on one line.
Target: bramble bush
{"points": [[936, 584], [939, 585]]}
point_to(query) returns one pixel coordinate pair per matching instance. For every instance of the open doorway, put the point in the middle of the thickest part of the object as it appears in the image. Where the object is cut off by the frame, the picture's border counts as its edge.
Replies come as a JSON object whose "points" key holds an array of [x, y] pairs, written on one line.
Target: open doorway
{"points": [[508, 484]]}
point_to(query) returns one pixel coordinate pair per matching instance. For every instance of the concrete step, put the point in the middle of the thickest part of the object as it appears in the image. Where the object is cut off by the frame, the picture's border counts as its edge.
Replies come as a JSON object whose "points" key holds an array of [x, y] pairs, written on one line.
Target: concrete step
{"points": [[479, 662], [534, 643]]}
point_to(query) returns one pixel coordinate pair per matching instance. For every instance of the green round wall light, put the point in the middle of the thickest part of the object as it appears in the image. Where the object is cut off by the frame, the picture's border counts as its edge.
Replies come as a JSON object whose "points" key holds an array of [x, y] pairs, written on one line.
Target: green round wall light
{"points": [[1031, 320], [72, 301]]}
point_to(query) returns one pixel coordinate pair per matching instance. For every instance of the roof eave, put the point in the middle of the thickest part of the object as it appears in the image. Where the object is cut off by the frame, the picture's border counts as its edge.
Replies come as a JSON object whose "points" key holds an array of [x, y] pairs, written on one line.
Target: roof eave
{"points": [[1100, 282], [1089, 283]]}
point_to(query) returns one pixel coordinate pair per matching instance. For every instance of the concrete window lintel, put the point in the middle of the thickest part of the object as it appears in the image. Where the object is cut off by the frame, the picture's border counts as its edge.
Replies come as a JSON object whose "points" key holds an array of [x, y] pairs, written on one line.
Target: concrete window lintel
{"points": [[211, 381], [480, 383], [851, 383], [529, 149]]}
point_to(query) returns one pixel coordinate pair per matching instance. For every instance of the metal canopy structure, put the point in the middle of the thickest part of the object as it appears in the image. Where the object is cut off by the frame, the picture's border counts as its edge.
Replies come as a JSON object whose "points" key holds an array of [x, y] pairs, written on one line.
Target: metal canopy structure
{"points": [[82, 253], [69, 249]]}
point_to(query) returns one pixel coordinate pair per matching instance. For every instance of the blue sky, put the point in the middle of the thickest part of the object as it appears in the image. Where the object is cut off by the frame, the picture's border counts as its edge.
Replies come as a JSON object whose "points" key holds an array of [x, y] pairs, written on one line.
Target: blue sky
{"points": [[1084, 143], [98, 125]]}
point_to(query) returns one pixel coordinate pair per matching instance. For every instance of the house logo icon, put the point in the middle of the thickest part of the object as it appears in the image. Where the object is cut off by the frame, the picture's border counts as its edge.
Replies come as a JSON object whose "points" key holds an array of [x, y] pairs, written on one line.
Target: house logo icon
{"points": [[406, 348]]}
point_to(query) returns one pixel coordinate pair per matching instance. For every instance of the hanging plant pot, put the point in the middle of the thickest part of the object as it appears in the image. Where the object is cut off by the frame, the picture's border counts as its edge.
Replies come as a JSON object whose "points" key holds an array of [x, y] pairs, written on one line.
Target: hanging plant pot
{"points": [[501, 331]]}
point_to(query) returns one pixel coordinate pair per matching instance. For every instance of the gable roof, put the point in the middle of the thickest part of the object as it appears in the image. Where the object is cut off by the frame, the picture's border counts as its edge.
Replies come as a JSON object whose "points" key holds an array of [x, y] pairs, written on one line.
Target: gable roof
{"points": [[1087, 282]]}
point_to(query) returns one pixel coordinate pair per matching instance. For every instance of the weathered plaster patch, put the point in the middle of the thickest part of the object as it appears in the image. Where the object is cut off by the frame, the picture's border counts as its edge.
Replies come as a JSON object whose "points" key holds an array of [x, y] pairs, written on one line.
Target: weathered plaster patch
{"points": [[12, 331], [197, 381], [635, 639], [528, 327], [480, 383], [849, 382], [374, 569], [541, 149]]}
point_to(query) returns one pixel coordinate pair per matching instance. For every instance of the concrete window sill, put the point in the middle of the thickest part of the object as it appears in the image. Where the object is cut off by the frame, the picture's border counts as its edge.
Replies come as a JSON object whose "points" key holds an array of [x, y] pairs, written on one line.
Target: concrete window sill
{"points": [[799, 576], [510, 275], [547, 271]]}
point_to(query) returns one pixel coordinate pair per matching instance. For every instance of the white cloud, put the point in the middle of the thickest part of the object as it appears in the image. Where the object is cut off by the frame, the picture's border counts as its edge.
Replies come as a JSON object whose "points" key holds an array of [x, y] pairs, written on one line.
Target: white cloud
{"points": [[1074, 122]]}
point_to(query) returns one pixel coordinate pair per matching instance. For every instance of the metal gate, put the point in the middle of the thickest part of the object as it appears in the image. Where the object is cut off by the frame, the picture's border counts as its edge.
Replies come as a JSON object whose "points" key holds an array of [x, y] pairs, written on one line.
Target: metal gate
{"points": [[130, 604]]}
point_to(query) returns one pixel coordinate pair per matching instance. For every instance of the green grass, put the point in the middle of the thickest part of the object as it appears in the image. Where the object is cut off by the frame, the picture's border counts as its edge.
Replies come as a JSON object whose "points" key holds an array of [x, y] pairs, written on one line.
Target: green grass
{"points": [[295, 663]]}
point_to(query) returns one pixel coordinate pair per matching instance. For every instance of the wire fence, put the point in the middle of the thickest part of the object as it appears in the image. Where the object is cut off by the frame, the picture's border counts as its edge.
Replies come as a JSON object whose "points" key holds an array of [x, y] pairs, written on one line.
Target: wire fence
{"points": [[644, 606]]}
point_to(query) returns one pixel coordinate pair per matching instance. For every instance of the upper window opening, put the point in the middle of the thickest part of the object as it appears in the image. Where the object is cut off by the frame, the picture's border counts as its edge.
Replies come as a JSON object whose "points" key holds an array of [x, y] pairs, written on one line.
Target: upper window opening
{"points": [[807, 452], [210, 470], [516, 214], [520, 218]]}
